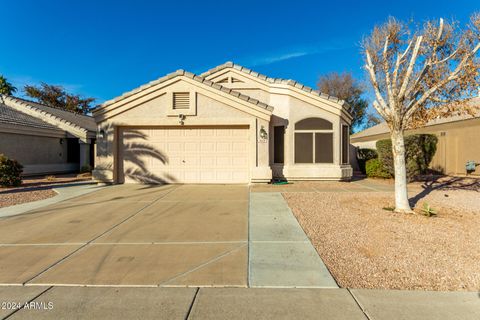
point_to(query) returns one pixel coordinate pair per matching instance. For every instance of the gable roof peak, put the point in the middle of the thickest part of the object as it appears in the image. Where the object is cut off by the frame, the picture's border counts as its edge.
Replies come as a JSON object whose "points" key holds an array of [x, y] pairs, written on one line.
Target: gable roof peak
{"points": [[289, 82], [200, 79]]}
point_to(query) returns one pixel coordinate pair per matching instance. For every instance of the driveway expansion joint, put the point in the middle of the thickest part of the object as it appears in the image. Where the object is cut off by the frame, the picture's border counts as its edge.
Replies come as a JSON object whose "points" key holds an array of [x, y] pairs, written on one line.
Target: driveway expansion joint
{"points": [[100, 235], [359, 304]]}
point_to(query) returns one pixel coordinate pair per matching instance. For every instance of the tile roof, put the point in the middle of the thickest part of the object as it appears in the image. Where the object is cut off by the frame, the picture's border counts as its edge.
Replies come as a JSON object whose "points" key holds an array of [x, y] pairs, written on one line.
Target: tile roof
{"points": [[78, 121], [9, 115], [196, 78], [289, 82]]}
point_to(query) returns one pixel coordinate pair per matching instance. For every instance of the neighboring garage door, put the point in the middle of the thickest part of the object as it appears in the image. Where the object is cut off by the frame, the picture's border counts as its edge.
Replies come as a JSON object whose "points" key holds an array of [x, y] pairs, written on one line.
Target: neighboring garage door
{"points": [[184, 155]]}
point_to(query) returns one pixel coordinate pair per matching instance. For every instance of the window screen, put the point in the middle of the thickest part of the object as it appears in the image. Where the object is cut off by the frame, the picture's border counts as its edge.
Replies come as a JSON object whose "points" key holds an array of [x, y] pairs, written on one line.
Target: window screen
{"points": [[278, 143], [345, 132], [323, 147], [303, 147]]}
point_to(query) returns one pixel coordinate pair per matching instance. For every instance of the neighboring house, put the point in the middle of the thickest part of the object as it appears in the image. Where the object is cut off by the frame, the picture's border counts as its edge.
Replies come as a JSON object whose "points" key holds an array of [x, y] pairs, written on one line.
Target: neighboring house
{"points": [[458, 141], [45, 140], [228, 125]]}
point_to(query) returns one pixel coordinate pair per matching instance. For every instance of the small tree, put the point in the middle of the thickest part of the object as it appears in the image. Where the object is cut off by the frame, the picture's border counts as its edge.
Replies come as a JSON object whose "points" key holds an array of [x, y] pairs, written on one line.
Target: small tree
{"points": [[345, 87], [56, 97], [6, 87], [419, 74]]}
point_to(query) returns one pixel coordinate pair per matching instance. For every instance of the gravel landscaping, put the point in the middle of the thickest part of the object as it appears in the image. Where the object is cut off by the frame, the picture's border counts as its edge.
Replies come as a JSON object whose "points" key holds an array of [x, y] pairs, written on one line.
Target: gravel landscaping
{"points": [[365, 246], [37, 188]]}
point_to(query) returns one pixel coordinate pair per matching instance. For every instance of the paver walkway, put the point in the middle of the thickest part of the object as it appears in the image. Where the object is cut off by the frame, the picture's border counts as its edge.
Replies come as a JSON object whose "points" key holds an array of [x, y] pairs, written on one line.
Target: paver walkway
{"points": [[281, 255]]}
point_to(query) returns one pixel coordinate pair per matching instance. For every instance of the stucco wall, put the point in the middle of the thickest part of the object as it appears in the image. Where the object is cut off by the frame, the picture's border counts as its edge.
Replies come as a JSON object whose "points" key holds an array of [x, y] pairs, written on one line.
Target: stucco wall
{"points": [[210, 111], [38, 154], [291, 111], [33, 149], [287, 111]]}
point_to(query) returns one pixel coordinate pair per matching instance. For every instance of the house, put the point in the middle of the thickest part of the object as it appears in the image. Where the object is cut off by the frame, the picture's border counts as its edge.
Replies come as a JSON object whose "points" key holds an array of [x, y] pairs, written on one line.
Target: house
{"points": [[458, 141], [227, 125], [45, 140]]}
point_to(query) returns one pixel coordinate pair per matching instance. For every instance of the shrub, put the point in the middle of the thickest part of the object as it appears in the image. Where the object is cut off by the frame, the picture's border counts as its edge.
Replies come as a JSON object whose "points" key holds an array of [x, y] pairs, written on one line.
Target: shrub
{"points": [[363, 155], [419, 152], [10, 171], [375, 169]]}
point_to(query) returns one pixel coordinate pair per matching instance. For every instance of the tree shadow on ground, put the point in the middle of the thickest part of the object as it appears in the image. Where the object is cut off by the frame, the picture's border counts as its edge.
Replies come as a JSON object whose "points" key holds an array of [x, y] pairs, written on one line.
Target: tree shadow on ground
{"points": [[445, 183]]}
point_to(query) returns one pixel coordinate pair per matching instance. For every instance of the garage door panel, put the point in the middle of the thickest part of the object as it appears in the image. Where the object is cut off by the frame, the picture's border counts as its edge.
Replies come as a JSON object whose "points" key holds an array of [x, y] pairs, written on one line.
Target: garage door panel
{"points": [[192, 155]]}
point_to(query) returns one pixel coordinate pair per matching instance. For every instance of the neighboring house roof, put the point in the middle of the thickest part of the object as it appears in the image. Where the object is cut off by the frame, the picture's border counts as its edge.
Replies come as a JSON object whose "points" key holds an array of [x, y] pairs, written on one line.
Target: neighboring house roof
{"points": [[289, 82], [382, 128], [190, 75], [81, 126], [9, 115]]}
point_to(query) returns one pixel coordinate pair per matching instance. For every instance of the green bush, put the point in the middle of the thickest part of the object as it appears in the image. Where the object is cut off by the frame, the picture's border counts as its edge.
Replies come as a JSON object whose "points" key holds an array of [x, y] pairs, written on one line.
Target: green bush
{"points": [[10, 172], [375, 169], [363, 155], [419, 152]]}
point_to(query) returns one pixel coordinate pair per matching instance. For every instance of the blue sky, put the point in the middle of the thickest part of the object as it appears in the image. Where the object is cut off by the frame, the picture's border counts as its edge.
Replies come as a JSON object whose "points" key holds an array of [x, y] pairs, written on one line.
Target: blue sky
{"points": [[104, 48]]}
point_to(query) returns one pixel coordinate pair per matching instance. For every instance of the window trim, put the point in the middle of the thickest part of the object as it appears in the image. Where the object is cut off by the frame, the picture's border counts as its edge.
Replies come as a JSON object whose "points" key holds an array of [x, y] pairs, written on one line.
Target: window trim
{"points": [[348, 144], [313, 132]]}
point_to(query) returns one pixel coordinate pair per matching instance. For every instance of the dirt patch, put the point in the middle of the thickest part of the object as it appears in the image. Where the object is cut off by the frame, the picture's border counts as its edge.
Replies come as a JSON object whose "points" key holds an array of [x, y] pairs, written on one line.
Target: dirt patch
{"points": [[365, 246], [37, 188]]}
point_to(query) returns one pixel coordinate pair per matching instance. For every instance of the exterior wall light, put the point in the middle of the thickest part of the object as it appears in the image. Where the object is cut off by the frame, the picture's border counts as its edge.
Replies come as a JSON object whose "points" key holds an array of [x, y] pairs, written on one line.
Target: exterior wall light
{"points": [[103, 135], [61, 141], [181, 119], [263, 133]]}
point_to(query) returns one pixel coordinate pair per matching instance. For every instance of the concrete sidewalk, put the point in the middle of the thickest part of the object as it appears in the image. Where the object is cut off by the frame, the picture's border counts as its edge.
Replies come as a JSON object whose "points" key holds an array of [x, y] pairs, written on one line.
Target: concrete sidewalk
{"points": [[234, 303], [281, 255]]}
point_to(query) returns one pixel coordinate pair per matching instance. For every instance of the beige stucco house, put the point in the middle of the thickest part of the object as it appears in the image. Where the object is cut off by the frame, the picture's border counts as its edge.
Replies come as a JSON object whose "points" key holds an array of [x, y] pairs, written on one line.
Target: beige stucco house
{"points": [[45, 140], [227, 125], [458, 141]]}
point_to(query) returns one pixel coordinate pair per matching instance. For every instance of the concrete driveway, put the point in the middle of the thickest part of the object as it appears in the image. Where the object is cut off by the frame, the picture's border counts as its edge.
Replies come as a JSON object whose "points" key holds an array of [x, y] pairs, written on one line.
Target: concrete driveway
{"points": [[131, 235]]}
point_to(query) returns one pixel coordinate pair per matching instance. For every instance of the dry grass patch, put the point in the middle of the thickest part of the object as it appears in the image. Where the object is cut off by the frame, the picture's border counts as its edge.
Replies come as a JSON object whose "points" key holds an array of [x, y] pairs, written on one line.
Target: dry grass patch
{"points": [[365, 246]]}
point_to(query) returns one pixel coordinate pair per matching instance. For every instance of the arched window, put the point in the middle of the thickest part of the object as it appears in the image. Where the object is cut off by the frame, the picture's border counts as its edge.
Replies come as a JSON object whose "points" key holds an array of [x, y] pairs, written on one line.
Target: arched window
{"points": [[313, 141]]}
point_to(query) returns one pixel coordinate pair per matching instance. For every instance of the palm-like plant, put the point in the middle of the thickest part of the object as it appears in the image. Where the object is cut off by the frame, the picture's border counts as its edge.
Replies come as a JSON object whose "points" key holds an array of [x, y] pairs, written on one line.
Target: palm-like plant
{"points": [[6, 87]]}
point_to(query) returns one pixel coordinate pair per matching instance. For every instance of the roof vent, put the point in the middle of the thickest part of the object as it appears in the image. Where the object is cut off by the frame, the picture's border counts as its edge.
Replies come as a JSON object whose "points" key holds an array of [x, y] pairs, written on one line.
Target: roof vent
{"points": [[181, 100]]}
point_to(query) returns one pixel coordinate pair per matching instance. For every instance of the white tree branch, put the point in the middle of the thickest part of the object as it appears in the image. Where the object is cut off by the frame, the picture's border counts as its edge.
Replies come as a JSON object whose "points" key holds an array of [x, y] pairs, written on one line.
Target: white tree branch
{"points": [[397, 65], [386, 70], [373, 78], [409, 71]]}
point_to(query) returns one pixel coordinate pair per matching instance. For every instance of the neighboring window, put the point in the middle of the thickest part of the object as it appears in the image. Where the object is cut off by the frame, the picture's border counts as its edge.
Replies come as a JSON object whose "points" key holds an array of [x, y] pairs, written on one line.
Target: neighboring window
{"points": [[181, 100], [313, 141], [278, 143], [345, 143]]}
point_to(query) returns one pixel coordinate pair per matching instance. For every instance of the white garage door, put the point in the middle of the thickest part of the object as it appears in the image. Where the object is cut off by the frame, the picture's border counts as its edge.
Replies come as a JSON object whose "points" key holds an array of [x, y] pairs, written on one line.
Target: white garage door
{"points": [[185, 155]]}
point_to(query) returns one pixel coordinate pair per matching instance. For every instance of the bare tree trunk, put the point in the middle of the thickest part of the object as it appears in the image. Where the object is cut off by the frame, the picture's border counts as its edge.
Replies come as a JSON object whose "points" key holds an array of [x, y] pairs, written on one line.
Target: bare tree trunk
{"points": [[401, 195]]}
